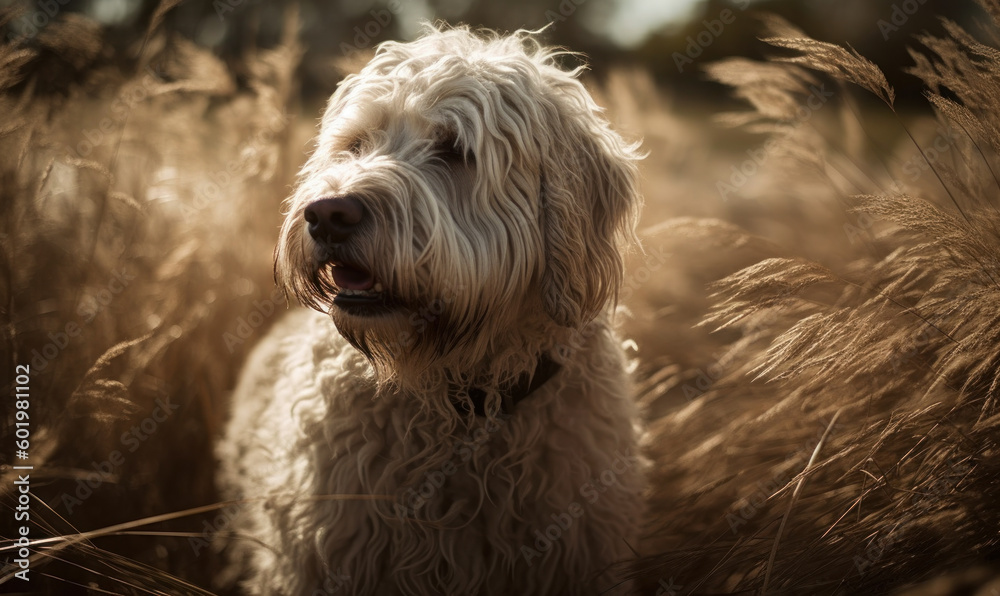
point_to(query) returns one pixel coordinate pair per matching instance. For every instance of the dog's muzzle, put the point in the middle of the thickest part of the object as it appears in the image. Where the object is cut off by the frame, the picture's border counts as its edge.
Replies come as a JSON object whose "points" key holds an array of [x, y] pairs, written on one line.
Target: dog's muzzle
{"points": [[332, 223]]}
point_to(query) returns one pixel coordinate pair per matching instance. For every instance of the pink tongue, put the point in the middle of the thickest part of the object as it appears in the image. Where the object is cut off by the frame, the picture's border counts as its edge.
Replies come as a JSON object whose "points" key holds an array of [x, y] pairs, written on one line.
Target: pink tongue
{"points": [[348, 278]]}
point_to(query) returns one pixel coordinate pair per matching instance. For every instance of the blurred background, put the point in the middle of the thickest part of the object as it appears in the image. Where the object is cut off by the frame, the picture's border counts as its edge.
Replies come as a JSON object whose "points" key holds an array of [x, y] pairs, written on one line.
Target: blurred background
{"points": [[648, 34], [145, 149]]}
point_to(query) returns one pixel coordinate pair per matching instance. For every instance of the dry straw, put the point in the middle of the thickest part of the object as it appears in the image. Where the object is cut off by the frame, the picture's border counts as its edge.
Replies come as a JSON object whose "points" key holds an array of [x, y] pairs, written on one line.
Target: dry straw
{"points": [[892, 346]]}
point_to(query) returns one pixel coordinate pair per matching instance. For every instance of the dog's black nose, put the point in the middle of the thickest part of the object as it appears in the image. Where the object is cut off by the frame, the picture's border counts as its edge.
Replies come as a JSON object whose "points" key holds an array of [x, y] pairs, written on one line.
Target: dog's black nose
{"points": [[334, 220]]}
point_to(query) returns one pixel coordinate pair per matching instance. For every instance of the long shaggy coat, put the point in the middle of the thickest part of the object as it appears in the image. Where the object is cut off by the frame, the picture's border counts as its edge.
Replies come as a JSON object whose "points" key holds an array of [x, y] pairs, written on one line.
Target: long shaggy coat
{"points": [[496, 204]]}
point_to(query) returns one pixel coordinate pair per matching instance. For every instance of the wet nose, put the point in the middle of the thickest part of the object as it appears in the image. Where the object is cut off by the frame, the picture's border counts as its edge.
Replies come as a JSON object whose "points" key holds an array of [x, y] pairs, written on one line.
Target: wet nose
{"points": [[334, 220]]}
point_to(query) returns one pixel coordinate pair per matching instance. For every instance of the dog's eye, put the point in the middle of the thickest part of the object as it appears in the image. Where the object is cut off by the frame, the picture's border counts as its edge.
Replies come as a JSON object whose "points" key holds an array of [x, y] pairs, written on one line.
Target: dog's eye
{"points": [[356, 145], [449, 150]]}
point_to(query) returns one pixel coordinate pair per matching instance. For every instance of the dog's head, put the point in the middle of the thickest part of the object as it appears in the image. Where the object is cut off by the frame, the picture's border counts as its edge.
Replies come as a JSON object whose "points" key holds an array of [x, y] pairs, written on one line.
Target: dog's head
{"points": [[462, 185]]}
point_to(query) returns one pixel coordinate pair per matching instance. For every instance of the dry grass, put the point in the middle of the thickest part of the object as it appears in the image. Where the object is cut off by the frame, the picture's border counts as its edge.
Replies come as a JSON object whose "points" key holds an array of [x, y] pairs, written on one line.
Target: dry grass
{"points": [[890, 329], [134, 242], [823, 420]]}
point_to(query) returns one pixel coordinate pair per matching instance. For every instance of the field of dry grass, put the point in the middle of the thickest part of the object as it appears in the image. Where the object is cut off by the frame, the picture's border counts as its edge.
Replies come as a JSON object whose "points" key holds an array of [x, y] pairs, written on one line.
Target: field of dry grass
{"points": [[823, 421]]}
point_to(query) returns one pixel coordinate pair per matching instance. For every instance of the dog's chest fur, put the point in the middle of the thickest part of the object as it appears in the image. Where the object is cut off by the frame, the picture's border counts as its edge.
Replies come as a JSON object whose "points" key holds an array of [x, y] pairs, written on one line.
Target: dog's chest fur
{"points": [[530, 503]]}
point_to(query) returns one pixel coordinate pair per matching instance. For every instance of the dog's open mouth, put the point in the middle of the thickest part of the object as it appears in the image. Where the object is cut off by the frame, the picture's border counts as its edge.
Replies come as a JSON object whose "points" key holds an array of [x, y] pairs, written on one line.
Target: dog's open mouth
{"points": [[358, 292]]}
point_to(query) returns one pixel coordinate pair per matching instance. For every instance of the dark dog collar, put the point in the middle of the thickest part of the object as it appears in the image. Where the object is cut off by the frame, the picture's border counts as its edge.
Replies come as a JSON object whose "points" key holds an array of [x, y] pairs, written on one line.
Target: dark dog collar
{"points": [[525, 385]]}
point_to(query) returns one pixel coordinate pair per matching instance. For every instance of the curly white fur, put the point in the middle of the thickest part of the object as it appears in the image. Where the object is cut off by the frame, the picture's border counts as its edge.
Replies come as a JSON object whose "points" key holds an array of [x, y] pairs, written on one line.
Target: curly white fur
{"points": [[498, 203]]}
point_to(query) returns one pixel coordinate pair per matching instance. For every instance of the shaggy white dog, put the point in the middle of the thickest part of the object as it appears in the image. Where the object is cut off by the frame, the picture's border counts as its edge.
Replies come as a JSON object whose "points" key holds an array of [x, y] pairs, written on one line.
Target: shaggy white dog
{"points": [[470, 429]]}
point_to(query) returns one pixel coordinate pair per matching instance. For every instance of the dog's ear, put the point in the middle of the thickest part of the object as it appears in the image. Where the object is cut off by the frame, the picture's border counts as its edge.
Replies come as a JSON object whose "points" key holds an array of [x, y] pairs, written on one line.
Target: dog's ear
{"points": [[590, 202]]}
